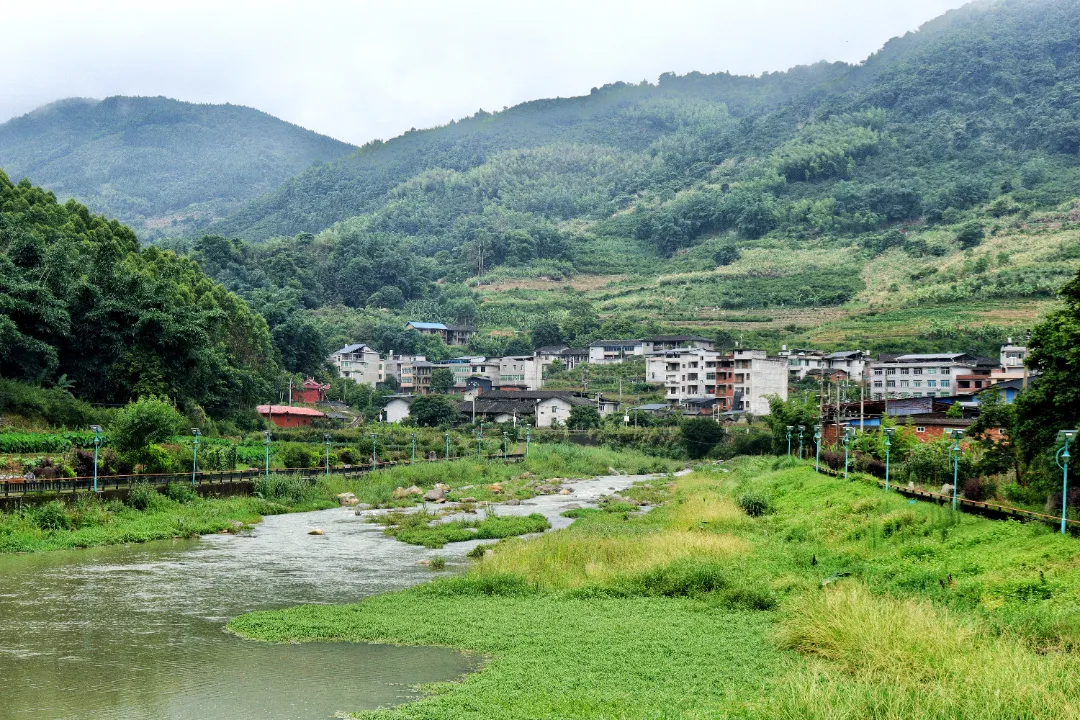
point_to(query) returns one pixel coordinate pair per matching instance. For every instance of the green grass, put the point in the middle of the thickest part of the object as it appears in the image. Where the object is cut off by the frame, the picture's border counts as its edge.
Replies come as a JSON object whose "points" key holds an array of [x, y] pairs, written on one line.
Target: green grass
{"points": [[838, 602], [423, 529]]}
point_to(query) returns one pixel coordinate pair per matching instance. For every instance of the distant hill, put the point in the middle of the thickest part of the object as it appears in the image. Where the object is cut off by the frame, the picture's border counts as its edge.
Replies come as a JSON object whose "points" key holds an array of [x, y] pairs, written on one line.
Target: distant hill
{"points": [[937, 119], [157, 164]]}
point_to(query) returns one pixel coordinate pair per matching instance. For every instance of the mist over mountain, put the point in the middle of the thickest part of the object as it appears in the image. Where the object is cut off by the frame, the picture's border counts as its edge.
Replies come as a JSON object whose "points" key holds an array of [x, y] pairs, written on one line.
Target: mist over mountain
{"points": [[157, 164]]}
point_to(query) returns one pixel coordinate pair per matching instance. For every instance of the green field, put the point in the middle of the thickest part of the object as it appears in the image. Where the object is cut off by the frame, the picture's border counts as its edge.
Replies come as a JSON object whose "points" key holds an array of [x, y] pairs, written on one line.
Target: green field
{"points": [[833, 600]]}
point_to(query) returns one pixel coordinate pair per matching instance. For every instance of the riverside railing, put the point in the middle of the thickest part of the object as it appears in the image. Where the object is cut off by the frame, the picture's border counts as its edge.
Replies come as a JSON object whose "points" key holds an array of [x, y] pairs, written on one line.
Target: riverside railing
{"points": [[209, 479]]}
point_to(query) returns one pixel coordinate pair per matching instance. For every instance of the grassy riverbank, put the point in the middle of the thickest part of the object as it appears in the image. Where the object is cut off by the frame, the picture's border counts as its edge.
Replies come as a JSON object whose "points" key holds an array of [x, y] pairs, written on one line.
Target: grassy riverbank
{"points": [[833, 601], [85, 521]]}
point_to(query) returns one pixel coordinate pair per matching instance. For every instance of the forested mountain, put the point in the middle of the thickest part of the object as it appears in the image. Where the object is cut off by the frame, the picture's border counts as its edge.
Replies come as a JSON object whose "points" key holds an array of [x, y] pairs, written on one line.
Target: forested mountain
{"points": [[943, 169], [83, 308], [157, 164]]}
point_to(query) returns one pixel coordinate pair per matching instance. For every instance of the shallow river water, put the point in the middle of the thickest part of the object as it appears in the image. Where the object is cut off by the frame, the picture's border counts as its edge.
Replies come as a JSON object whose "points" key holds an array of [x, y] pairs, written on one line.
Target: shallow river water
{"points": [[137, 631]]}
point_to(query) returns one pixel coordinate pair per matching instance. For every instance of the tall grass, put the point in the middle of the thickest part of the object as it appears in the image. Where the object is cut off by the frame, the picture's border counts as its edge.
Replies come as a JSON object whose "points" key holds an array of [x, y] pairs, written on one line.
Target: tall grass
{"points": [[896, 659]]}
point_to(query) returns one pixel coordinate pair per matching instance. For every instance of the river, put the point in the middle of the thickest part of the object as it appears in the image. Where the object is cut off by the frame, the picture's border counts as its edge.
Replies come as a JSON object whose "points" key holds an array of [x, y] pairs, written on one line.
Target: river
{"points": [[136, 631]]}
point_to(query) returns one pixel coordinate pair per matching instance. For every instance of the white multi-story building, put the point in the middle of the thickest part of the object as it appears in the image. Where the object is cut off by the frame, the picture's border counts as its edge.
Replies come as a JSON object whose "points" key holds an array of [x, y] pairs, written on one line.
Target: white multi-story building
{"points": [[747, 378], [802, 362], [609, 352], [391, 365], [852, 362], [358, 363], [919, 375], [522, 372], [685, 373]]}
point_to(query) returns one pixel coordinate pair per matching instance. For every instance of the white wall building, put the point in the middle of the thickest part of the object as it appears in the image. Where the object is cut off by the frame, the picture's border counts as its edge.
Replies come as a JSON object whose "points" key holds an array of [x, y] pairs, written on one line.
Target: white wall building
{"points": [[397, 409], [358, 363], [929, 375], [852, 362], [609, 352], [752, 378], [685, 373], [520, 371]]}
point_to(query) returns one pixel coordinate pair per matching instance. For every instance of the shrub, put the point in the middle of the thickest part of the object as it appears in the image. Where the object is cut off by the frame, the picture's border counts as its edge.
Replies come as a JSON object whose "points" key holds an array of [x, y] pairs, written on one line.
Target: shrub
{"points": [[143, 496], [438, 563], [283, 488], [977, 488], [298, 455], [146, 421], [754, 504], [152, 459], [180, 492], [52, 516], [700, 436]]}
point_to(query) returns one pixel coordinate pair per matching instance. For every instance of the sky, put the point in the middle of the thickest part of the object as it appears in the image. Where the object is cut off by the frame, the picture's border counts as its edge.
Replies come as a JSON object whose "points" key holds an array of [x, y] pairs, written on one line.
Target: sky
{"points": [[359, 70]]}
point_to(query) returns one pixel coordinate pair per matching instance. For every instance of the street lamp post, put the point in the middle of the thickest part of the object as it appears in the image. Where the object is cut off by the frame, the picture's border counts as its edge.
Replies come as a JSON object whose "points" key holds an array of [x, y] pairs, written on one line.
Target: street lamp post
{"points": [[789, 429], [888, 445], [1063, 463], [528, 432], [504, 444], [194, 454], [956, 434], [414, 448], [374, 457], [326, 455], [447, 446], [97, 445], [266, 442], [801, 429], [817, 449], [847, 448]]}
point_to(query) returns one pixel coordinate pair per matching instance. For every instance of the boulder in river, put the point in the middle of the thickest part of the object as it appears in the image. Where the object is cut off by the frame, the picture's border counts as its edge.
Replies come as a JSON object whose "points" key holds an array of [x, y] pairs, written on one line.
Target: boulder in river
{"points": [[316, 531], [435, 494], [513, 501], [565, 491], [406, 492], [468, 500], [496, 488], [348, 499]]}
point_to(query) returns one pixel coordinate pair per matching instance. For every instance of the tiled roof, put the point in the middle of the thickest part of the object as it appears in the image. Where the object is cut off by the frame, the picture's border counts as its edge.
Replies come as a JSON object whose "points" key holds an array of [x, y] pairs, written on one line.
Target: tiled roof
{"points": [[427, 326], [348, 349], [287, 410]]}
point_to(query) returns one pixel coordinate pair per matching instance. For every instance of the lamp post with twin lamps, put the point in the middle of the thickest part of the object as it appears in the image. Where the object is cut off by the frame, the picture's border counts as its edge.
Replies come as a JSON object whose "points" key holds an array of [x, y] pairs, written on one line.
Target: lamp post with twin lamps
{"points": [[789, 429], [326, 454], [956, 435], [1062, 459], [97, 446], [888, 444], [266, 442], [848, 432], [194, 454], [817, 449], [801, 429]]}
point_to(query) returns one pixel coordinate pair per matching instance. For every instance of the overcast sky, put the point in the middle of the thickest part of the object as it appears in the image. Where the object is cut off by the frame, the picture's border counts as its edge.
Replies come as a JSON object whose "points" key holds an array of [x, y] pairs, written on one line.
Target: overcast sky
{"points": [[363, 70]]}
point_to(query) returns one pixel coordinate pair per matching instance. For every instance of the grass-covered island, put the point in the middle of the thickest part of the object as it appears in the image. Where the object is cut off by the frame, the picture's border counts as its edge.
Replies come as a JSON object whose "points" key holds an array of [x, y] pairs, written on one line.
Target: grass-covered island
{"points": [[84, 521], [757, 589]]}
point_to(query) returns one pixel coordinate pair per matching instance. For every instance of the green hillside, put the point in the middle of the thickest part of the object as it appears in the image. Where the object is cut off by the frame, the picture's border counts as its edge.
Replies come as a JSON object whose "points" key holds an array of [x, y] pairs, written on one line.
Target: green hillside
{"points": [[157, 164], [84, 310], [805, 206]]}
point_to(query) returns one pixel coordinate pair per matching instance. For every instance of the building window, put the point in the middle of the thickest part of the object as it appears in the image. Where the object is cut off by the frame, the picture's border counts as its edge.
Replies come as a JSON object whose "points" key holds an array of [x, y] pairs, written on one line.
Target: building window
{"points": [[917, 383], [945, 383], [905, 371], [931, 383], [904, 383], [931, 371], [916, 371], [890, 371], [920, 429], [945, 371], [877, 371], [877, 383], [892, 383]]}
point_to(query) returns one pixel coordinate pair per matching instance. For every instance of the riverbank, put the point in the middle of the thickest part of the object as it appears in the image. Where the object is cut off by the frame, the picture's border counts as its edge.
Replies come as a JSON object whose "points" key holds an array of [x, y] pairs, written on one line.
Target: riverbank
{"points": [[757, 589], [84, 521]]}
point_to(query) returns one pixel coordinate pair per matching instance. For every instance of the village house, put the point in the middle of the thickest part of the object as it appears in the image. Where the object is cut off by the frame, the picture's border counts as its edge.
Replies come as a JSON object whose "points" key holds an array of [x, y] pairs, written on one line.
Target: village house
{"points": [[287, 416], [674, 342], [610, 352], [920, 375], [450, 334], [568, 356], [397, 408], [685, 373], [747, 378], [539, 408], [312, 391], [359, 363]]}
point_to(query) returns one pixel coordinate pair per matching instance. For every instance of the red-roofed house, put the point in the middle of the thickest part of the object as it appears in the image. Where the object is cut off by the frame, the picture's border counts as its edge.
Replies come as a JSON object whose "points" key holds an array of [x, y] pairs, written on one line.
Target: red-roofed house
{"points": [[313, 391], [289, 416]]}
